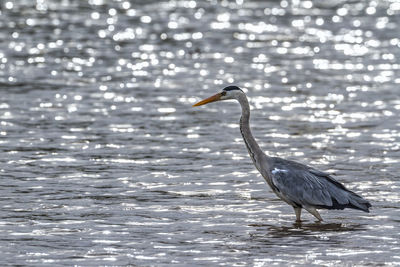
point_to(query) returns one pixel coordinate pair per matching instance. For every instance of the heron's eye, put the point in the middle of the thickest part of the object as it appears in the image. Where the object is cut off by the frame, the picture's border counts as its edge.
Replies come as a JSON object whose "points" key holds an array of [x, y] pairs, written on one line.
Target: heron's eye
{"points": [[223, 93]]}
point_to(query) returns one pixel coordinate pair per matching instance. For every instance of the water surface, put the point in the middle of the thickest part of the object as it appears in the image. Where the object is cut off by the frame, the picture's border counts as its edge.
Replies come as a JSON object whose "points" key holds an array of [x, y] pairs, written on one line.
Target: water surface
{"points": [[105, 162]]}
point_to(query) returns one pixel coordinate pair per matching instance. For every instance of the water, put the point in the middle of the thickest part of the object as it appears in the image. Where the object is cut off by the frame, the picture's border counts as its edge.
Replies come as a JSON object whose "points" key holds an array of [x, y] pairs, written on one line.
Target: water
{"points": [[105, 162]]}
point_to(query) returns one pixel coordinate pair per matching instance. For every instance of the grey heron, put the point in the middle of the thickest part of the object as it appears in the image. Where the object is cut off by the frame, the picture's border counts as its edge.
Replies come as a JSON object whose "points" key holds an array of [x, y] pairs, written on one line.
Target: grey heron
{"points": [[299, 185]]}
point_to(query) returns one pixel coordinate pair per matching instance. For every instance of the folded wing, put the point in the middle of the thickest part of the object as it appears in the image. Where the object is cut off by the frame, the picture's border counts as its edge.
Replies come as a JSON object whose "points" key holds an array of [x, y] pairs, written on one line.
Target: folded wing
{"points": [[309, 187]]}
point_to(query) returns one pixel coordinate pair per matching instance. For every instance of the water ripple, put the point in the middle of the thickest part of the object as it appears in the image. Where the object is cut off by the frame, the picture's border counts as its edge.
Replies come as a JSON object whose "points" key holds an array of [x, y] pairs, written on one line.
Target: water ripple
{"points": [[106, 163]]}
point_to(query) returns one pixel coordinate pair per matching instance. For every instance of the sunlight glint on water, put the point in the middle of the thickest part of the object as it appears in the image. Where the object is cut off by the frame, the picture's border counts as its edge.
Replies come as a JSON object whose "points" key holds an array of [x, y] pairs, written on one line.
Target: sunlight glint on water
{"points": [[105, 162]]}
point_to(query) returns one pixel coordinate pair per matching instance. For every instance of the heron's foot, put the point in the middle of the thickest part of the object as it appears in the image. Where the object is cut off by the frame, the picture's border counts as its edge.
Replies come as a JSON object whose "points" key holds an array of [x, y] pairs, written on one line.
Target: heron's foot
{"points": [[297, 210], [314, 212], [298, 224], [319, 218]]}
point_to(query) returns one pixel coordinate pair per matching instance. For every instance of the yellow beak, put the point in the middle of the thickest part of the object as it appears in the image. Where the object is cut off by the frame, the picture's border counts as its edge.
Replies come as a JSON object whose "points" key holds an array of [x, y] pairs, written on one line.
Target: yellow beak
{"points": [[213, 98]]}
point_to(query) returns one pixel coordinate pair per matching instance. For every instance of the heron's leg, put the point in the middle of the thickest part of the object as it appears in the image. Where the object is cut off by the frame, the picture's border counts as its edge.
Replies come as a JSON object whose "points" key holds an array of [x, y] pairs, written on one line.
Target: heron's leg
{"points": [[297, 210], [314, 212]]}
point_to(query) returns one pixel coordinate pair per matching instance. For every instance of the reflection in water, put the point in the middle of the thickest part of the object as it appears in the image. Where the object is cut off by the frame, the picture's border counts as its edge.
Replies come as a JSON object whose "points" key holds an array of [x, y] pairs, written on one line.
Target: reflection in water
{"points": [[306, 229], [329, 227], [104, 162]]}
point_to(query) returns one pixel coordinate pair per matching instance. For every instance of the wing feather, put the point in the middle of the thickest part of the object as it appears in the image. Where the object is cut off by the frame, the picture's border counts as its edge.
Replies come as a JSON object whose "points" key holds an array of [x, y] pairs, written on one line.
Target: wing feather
{"points": [[302, 187], [306, 186]]}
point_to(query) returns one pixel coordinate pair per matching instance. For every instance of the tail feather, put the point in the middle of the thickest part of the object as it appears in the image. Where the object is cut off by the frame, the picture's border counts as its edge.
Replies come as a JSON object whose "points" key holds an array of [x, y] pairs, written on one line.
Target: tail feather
{"points": [[357, 202], [342, 197], [352, 201]]}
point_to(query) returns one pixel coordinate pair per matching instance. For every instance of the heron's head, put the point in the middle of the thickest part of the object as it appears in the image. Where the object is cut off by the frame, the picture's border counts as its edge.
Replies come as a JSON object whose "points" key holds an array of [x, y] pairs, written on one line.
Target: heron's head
{"points": [[229, 92]]}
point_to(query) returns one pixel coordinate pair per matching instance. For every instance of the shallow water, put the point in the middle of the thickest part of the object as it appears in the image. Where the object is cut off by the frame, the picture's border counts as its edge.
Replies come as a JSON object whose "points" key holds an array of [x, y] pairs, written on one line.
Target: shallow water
{"points": [[105, 162]]}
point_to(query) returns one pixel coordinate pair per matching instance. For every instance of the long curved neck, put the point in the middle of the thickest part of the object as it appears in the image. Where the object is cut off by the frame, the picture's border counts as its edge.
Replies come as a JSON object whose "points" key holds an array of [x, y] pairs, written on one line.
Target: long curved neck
{"points": [[251, 144]]}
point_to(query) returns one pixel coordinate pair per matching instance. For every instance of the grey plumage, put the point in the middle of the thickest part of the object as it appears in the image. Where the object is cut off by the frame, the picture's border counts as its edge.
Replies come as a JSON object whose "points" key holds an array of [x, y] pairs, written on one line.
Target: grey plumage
{"points": [[297, 184], [305, 186]]}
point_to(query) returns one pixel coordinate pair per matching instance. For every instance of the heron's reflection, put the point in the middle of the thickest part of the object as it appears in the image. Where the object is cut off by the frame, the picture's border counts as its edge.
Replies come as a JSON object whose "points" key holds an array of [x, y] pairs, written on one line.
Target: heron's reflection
{"points": [[306, 229]]}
